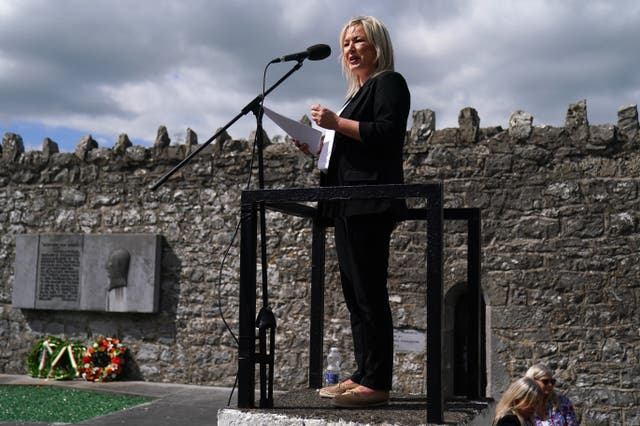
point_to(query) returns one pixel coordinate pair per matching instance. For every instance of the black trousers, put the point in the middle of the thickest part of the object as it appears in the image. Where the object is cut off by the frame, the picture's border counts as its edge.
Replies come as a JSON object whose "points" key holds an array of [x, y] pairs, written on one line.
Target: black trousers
{"points": [[362, 244]]}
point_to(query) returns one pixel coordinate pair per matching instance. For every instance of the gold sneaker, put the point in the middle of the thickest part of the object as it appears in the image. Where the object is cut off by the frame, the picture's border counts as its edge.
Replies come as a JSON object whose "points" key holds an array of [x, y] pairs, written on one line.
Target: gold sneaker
{"points": [[340, 388]]}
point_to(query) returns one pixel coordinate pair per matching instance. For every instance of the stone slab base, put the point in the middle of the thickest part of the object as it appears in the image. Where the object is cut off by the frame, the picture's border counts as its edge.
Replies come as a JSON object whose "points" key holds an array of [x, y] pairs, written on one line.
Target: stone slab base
{"points": [[305, 407]]}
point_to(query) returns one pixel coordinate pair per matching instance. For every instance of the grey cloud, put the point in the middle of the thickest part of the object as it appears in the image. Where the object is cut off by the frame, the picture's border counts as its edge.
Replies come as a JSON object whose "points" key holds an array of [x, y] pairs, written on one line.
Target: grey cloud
{"points": [[67, 58]]}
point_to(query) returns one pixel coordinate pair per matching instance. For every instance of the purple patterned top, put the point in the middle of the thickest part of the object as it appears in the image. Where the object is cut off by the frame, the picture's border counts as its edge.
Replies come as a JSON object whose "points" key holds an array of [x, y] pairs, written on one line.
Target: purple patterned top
{"points": [[562, 416]]}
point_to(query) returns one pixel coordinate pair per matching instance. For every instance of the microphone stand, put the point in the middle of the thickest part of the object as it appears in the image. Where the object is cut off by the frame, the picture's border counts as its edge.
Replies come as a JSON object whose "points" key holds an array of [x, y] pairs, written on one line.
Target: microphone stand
{"points": [[254, 106], [266, 320]]}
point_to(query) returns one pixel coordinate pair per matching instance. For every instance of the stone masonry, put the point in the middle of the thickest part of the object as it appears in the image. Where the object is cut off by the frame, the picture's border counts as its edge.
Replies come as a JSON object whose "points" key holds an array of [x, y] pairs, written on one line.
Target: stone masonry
{"points": [[560, 235]]}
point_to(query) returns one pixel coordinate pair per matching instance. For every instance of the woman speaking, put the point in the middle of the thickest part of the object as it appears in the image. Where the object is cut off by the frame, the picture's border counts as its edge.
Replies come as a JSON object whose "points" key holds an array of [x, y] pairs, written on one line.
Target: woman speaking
{"points": [[365, 142]]}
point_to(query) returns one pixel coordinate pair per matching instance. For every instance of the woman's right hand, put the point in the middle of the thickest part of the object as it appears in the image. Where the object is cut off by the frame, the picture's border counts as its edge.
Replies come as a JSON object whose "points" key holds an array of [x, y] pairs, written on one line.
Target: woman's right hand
{"points": [[324, 117]]}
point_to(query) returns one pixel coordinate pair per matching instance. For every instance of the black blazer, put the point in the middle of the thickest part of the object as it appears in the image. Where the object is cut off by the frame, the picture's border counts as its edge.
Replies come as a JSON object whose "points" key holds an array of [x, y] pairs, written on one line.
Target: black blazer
{"points": [[382, 108]]}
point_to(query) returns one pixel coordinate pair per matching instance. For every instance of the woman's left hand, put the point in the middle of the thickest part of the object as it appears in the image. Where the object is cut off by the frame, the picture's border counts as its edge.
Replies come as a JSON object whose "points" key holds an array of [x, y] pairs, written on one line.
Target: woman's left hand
{"points": [[302, 147]]}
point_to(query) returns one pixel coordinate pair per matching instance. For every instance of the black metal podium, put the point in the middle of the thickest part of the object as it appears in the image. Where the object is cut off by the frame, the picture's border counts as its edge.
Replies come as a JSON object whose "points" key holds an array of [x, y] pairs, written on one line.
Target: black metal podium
{"points": [[287, 200]]}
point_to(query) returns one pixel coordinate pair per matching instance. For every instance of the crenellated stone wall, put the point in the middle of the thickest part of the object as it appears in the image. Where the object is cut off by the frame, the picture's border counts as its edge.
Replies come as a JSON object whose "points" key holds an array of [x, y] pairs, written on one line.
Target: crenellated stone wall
{"points": [[560, 232]]}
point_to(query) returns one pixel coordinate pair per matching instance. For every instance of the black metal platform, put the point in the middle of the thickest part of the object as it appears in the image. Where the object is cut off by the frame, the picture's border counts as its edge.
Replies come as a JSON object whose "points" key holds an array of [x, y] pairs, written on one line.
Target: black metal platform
{"points": [[288, 201]]}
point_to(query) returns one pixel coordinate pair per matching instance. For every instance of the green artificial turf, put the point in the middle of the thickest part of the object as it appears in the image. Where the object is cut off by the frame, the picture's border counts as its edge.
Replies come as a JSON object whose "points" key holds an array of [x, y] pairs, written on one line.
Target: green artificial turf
{"points": [[55, 404]]}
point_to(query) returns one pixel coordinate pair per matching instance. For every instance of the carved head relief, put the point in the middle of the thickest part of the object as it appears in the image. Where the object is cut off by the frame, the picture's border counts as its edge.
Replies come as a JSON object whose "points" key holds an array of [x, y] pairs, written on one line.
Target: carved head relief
{"points": [[118, 268]]}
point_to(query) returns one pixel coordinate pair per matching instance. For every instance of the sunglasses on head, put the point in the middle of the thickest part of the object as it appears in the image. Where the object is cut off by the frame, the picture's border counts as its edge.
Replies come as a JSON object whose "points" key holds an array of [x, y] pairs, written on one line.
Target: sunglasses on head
{"points": [[548, 381]]}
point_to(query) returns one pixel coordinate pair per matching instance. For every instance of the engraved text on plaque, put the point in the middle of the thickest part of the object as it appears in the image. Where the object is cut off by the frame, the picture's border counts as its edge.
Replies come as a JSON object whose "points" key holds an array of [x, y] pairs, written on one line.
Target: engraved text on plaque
{"points": [[59, 271]]}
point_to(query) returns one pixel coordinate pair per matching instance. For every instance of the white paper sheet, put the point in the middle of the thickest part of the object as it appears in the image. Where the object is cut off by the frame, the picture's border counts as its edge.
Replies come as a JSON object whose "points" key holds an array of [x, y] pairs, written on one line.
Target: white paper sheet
{"points": [[325, 154], [301, 132]]}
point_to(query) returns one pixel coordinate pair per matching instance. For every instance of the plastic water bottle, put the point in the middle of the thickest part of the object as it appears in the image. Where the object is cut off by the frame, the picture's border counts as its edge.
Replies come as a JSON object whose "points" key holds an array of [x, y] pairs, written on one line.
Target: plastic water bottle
{"points": [[332, 373]]}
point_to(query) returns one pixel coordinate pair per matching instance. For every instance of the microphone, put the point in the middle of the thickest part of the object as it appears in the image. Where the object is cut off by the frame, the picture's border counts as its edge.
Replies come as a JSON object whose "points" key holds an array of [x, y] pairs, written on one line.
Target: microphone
{"points": [[313, 53]]}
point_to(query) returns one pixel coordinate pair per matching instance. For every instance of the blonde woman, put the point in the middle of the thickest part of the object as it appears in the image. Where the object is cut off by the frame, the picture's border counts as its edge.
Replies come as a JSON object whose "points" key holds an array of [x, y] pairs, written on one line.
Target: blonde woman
{"points": [[556, 410], [366, 149], [518, 404]]}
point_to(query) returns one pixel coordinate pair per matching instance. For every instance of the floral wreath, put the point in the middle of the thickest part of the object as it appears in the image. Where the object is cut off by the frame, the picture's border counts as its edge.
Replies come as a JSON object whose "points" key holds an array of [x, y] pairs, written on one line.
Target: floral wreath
{"points": [[103, 360], [54, 358]]}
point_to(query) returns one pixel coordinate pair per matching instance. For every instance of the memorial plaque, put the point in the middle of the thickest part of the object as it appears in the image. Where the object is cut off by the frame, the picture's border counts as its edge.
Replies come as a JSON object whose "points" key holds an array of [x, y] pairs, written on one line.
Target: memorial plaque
{"points": [[58, 276], [96, 272]]}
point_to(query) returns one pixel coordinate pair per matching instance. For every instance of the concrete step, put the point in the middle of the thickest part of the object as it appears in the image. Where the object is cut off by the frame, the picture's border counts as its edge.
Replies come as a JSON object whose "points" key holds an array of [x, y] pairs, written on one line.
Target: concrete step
{"points": [[305, 407]]}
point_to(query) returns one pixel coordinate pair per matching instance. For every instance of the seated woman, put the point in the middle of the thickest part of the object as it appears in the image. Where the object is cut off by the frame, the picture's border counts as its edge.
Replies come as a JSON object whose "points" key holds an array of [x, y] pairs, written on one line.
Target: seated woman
{"points": [[518, 404], [556, 409]]}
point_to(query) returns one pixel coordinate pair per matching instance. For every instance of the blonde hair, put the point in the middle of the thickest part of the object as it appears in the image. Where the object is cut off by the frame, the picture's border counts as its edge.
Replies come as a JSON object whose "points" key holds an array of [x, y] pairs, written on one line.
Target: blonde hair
{"points": [[537, 372], [526, 390], [378, 36]]}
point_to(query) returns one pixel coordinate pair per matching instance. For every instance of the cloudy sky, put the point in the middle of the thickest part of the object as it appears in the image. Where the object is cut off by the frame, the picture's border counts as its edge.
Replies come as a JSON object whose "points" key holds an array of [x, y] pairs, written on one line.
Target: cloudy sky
{"points": [[69, 68]]}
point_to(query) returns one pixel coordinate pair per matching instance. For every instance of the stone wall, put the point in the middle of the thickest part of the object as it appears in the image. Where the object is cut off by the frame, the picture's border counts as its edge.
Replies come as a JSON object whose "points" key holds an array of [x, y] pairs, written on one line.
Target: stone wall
{"points": [[561, 251]]}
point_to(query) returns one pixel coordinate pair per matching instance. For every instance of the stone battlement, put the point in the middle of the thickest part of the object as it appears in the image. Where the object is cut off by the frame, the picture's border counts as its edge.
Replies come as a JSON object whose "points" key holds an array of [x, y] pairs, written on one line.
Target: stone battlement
{"points": [[599, 138]]}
